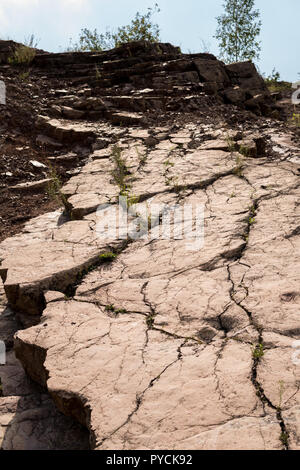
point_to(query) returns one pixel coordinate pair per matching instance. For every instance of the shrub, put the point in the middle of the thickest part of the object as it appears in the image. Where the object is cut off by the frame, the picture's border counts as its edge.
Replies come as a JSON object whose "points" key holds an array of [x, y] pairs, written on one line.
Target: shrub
{"points": [[25, 53], [141, 28], [274, 83]]}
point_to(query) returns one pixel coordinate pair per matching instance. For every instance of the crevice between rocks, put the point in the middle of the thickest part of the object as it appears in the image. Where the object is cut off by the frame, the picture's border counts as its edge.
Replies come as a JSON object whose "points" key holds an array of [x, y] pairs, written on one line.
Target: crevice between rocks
{"points": [[284, 436]]}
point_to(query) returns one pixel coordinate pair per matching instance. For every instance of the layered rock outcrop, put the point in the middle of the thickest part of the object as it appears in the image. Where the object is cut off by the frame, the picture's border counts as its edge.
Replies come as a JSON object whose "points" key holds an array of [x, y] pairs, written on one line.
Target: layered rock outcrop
{"points": [[150, 77]]}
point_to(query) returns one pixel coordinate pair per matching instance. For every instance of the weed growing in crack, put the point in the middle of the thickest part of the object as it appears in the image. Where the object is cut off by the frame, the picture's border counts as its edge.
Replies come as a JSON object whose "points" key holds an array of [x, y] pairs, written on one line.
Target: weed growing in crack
{"points": [[120, 172], [150, 321], [174, 182], [54, 188], [107, 257], [284, 438], [231, 145], [168, 164], [238, 170], [244, 150], [258, 351], [24, 76], [131, 199], [251, 220], [142, 156], [113, 309]]}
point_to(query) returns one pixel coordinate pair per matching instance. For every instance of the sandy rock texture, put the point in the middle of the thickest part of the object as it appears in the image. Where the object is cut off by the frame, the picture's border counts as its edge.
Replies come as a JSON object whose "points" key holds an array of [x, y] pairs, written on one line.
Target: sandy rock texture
{"points": [[155, 342]]}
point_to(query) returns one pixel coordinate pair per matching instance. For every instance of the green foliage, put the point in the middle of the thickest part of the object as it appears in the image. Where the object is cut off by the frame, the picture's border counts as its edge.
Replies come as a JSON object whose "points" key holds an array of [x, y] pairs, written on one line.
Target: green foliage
{"points": [[120, 171], [113, 309], [167, 163], [274, 77], [274, 83], [284, 438], [55, 186], [92, 41], [296, 119], [141, 28], [230, 144], [25, 53], [238, 30], [24, 76], [238, 170], [258, 351], [244, 150], [107, 257], [150, 321]]}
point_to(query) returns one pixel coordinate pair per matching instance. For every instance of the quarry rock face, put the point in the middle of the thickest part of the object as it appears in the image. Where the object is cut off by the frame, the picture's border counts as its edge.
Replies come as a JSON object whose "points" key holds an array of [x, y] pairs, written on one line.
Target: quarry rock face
{"points": [[142, 76], [159, 340]]}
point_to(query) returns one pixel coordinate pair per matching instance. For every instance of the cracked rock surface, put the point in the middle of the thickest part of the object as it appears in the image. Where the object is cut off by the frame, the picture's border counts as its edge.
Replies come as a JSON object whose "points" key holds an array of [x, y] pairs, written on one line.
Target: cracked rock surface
{"points": [[145, 342], [155, 338], [29, 419]]}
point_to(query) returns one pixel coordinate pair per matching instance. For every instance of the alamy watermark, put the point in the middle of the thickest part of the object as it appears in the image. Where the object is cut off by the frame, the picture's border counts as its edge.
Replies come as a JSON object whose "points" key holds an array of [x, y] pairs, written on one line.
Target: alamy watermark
{"points": [[149, 221], [2, 92]]}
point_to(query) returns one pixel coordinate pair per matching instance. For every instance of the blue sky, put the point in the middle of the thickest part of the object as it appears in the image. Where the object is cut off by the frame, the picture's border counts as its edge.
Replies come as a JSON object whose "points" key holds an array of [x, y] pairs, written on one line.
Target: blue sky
{"points": [[185, 23]]}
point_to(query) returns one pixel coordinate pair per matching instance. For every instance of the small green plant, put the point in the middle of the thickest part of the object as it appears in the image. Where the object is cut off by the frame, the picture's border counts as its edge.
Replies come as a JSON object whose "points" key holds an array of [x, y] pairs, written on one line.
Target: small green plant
{"points": [[25, 53], [274, 77], [231, 145], [232, 195], [150, 321], [54, 188], [113, 309], [173, 181], [296, 119], [274, 83], [252, 211], [251, 220], [142, 156], [110, 308], [107, 257], [24, 76], [168, 164], [244, 150], [131, 199], [238, 171], [258, 351], [284, 438], [120, 172]]}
